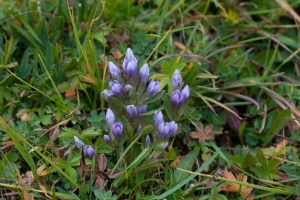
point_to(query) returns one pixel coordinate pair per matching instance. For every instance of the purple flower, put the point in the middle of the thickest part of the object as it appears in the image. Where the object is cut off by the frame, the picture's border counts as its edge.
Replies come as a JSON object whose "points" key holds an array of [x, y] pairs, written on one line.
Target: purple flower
{"points": [[132, 111], [110, 117], [117, 129], [186, 92], [165, 145], [177, 98], [144, 74], [163, 130], [114, 71], [142, 109], [172, 128], [89, 151], [130, 64], [177, 80], [116, 88], [128, 88], [106, 94], [158, 118], [106, 138], [153, 88], [78, 142], [148, 141]]}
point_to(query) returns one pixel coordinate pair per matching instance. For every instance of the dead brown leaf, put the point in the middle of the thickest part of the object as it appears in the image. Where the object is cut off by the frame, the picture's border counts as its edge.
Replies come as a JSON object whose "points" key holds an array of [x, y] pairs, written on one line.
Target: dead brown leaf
{"points": [[204, 134]]}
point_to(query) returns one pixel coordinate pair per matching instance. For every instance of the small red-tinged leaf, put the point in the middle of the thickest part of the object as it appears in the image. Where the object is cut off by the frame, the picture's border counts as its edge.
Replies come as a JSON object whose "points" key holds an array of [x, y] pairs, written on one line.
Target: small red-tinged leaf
{"points": [[116, 173], [117, 55], [233, 121], [175, 162], [102, 161], [70, 93]]}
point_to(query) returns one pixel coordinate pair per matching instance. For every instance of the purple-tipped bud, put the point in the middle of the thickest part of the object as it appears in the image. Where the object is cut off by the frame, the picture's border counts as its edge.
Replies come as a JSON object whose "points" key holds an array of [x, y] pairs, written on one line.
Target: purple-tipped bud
{"points": [[128, 88], [116, 88], [117, 129], [130, 64], [153, 88], [177, 80], [106, 138], [177, 98], [165, 145], [158, 118], [110, 117], [138, 128], [142, 109], [148, 141], [172, 128], [144, 74], [163, 130], [89, 151], [114, 71], [186, 92], [106, 94], [132, 111], [78, 142]]}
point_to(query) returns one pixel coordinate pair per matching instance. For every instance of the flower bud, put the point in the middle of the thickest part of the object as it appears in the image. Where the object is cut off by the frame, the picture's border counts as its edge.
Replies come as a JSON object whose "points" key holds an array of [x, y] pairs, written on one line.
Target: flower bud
{"points": [[176, 98], [177, 80], [132, 111], [114, 71], [163, 130], [117, 129], [148, 141], [106, 94], [128, 88], [172, 128], [153, 88], [142, 109], [110, 117], [144, 74], [165, 145], [186, 92], [158, 118], [106, 138], [89, 151], [78, 142], [130, 64], [116, 88]]}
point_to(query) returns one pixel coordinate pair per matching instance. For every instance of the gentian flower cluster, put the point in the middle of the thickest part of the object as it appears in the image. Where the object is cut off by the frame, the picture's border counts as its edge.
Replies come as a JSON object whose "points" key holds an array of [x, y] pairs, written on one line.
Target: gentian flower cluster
{"points": [[116, 128]]}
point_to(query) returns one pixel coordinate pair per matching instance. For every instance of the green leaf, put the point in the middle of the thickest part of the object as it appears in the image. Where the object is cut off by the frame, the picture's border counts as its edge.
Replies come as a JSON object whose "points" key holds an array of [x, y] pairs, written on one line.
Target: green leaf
{"points": [[261, 158], [46, 119], [186, 163], [248, 161]]}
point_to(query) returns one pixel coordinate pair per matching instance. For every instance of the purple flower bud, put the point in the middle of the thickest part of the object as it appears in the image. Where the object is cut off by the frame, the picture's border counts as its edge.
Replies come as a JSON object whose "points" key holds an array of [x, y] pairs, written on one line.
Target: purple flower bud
{"points": [[152, 88], [144, 74], [138, 128], [130, 64], [89, 151], [117, 129], [165, 145], [148, 141], [116, 88], [132, 111], [186, 92], [110, 117], [177, 80], [114, 71], [106, 94], [78, 142], [142, 109], [158, 118], [177, 98], [163, 130], [128, 88], [106, 138], [172, 128]]}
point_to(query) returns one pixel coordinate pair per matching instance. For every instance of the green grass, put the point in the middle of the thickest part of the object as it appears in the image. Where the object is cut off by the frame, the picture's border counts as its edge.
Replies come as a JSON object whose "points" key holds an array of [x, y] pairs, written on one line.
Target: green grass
{"points": [[240, 59]]}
